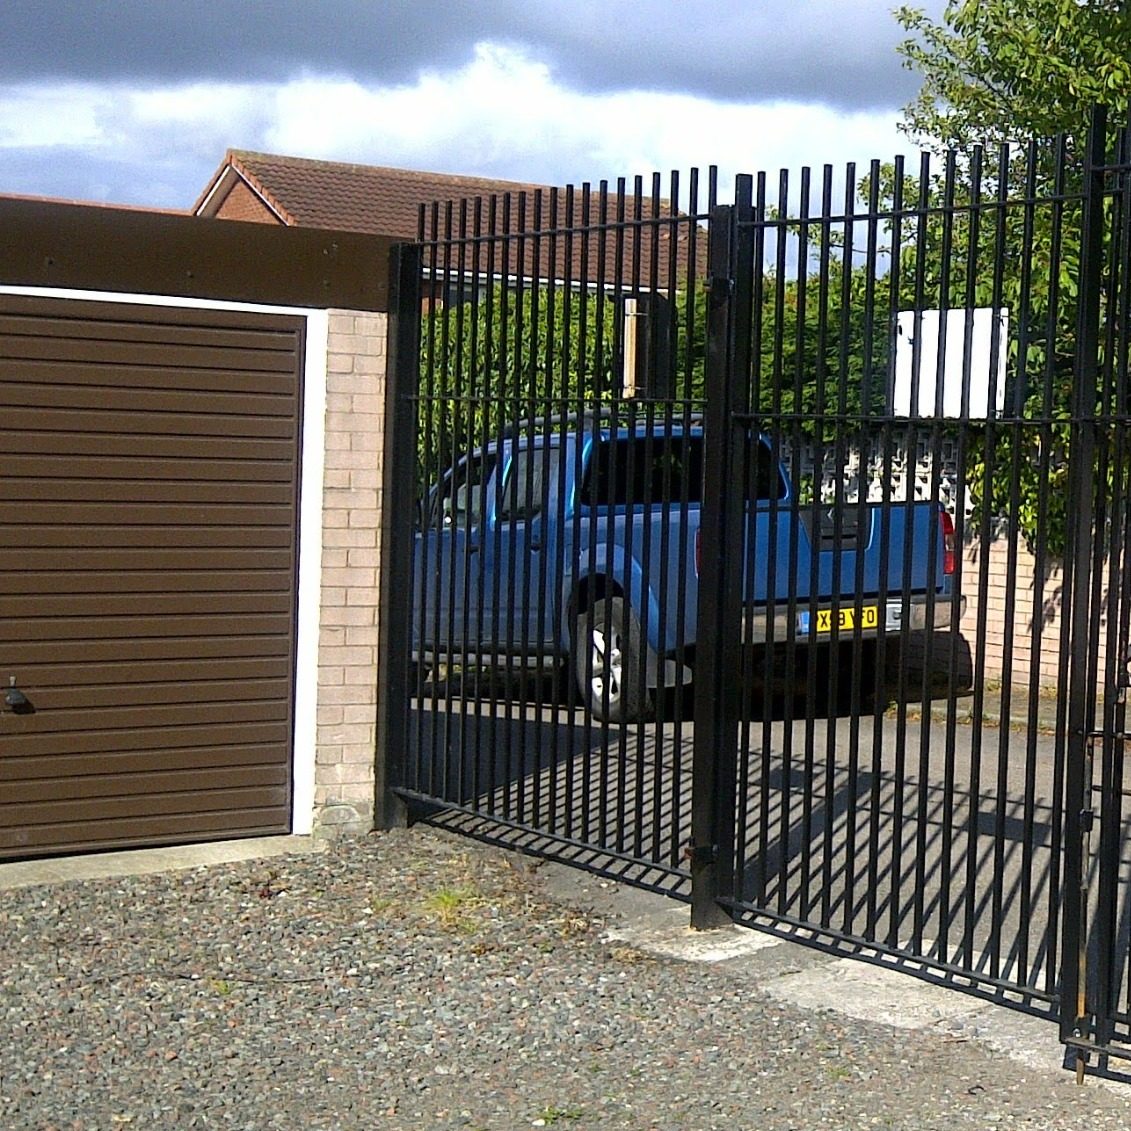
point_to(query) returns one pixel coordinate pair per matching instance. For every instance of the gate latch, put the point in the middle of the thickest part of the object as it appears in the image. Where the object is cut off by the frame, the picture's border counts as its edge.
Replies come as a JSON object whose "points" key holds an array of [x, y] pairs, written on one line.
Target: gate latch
{"points": [[700, 855]]}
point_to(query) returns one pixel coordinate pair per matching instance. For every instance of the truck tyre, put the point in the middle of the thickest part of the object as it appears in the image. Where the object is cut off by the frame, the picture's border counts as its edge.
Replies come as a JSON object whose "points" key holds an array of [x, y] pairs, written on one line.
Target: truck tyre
{"points": [[609, 662]]}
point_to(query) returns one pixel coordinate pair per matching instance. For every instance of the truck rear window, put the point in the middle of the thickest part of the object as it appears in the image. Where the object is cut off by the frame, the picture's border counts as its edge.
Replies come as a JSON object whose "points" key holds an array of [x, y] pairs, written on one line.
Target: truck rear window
{"points": [[643, 470]]}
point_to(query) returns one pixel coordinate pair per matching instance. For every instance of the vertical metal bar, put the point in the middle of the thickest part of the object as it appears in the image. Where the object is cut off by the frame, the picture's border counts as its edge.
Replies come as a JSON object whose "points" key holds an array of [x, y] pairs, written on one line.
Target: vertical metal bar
{"points": [[1075, 1020], [495, 310], [775, 803], [837, 679], [1112, 426], [755, 832], [694, 310], [1056, 891], [1021, 440], [722, 532], [810, 866], [437, 464], [402, 381], [884, 647]]}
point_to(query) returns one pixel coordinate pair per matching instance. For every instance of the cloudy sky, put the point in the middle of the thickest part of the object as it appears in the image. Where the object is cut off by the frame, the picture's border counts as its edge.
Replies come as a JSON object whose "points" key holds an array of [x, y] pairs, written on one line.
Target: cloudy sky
{"points": [[136, 101]]}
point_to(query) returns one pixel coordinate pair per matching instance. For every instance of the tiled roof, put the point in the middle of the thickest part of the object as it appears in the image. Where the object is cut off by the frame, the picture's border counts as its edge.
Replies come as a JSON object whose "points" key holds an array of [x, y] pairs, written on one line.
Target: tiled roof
{"points": [[385, 201], [93, 204], [355, 198]]}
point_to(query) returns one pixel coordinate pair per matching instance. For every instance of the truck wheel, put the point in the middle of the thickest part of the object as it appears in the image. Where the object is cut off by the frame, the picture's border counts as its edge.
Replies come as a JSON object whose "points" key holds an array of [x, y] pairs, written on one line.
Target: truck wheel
{"points": [[608, 662]]}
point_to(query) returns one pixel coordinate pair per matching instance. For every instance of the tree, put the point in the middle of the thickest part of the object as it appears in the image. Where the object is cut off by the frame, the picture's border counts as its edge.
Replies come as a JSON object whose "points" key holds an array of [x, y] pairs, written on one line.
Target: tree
{"points": [[999, 72], [1009, 70]]}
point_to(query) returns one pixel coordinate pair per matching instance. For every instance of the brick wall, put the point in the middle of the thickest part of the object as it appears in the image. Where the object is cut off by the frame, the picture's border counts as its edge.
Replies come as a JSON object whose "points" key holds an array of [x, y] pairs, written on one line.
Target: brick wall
{"points": [[1023, 638], [351, 520], [242, 204]]}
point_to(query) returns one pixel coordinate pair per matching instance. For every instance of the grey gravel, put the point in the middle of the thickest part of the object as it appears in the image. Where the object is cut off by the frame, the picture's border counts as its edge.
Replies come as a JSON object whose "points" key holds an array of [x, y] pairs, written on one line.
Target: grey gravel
{"points": [[414, 979]]}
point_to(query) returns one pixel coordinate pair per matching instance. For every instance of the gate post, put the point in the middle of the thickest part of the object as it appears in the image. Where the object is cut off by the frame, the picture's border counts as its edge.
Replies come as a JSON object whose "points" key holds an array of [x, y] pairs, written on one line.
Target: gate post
{"points": [[723, 541], [398, 506], [1075, 1013]]}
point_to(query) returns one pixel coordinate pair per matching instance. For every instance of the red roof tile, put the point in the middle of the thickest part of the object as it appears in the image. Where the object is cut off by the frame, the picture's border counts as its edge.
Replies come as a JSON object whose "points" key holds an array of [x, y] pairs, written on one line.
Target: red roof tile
{"points": [[303, 192]]}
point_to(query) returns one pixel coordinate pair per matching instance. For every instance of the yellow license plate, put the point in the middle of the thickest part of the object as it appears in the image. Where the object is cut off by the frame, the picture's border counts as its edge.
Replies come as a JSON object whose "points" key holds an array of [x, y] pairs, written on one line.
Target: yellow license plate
{"points": [[848, 619]]}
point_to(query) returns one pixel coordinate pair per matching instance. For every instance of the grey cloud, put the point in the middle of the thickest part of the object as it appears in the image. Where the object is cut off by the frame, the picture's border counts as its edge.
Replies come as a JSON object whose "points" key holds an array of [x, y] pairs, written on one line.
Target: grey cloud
{"points": [[77, 174], [834, 51]]}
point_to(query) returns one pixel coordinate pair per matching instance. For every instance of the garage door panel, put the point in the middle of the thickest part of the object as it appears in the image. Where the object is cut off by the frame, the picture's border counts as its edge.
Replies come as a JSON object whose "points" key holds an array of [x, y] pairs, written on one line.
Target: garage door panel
{"points": [[179, 673], [70, 583], [151, 805], [132, 819], [49, 797], [125, 351], [152, 324], [91, 422], [44, 840], [145, 537], [94, 697], [89, 373], [19, 393], [108, 516], [149, 463], [34, 491], [108, 456], [140, 651], [147, 604], [94, 628], [38, 743], [134, 762], [129, 560], [52, 717]]}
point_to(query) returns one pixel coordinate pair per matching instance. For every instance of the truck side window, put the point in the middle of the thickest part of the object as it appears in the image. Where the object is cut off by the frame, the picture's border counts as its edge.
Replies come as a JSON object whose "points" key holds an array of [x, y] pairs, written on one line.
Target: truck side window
{"points": [[766, 480], [660, 469], [531, 473], [459, 502], [644, 470]]}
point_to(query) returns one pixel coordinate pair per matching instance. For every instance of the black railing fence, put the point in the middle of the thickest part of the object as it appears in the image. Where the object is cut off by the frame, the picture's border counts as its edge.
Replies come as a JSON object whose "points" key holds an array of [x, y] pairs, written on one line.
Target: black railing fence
{"points": [[774, 552]]}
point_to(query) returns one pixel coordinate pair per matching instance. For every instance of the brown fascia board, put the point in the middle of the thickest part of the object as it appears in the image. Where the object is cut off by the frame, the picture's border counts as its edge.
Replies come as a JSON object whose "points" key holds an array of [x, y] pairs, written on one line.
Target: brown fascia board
{"points": [[47, 243]]}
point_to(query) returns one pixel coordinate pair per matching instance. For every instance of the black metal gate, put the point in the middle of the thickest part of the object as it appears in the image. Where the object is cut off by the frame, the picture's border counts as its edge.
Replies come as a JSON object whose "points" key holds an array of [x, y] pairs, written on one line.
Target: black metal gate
{"points": [[774, 553], [549, 353], [1096, 984]]}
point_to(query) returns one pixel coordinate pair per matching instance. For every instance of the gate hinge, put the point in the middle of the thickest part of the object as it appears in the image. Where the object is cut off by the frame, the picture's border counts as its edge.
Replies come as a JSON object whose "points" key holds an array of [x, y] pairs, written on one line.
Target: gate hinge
{"points": [[720, 285], [1087, 819]]}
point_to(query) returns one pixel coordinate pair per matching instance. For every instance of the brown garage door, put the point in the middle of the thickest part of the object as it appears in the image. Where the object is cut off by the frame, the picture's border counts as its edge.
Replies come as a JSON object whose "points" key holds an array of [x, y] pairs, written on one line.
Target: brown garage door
{"points": [[148, 548]]}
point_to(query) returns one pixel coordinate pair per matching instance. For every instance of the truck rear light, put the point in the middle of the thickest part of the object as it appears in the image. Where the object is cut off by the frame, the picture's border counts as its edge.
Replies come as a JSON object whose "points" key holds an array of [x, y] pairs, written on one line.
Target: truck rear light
{"points": [[949, 556]]}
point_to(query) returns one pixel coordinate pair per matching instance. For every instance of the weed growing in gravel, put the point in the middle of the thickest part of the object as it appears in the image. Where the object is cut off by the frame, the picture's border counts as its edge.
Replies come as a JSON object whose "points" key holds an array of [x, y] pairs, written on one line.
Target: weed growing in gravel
{"points": [[548, 1116], [451, 905], [628, 955]]}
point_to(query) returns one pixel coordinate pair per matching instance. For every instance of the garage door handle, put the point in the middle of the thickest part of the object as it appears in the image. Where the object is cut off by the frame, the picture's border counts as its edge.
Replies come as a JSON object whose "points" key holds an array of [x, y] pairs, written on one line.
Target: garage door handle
{"points": [[15, 699]]}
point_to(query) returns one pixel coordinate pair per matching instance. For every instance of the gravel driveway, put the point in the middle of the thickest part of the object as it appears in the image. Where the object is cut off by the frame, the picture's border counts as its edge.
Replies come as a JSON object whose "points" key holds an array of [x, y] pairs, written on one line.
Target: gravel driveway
{"points": [[414, 979]]}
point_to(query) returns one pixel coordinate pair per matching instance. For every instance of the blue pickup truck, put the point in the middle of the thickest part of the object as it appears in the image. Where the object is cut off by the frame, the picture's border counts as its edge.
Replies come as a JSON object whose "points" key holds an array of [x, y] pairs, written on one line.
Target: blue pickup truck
{"points": [[578, 540]]}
